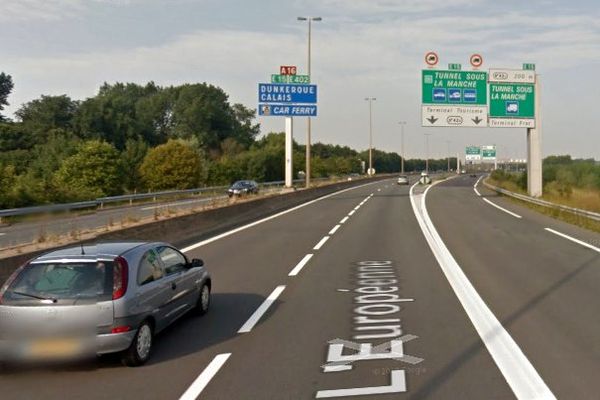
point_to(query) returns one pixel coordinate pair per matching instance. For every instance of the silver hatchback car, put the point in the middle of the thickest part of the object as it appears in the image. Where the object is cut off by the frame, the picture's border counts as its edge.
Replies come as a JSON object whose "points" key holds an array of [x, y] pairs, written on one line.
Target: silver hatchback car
{"points": [[98, 299]]}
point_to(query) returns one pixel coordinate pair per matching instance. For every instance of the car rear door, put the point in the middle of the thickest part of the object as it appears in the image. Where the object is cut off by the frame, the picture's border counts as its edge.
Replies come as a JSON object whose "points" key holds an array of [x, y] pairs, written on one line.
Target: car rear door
{"points": [[184, 294], [153, 293]]}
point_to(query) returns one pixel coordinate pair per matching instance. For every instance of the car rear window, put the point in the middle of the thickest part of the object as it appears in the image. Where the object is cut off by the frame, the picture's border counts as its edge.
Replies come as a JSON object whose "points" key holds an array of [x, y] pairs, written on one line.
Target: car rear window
{"points": [[79, 281]]}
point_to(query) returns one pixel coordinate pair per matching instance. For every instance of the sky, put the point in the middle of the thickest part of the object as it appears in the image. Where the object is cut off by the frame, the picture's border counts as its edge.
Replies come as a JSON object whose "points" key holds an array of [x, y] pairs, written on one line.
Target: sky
{"points": [[361, 48]]}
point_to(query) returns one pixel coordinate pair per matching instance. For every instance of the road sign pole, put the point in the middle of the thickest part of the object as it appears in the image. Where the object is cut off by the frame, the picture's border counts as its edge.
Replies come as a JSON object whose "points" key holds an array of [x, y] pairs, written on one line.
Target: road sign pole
{"points": [[534, 148], [457, 164], [289, 135], [308, 131], [402, 152]]}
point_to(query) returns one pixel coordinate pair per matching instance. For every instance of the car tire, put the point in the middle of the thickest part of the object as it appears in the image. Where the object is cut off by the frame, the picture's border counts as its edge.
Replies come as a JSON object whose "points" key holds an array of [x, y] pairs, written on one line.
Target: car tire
{"points": [[203, 303], [141, 347]]}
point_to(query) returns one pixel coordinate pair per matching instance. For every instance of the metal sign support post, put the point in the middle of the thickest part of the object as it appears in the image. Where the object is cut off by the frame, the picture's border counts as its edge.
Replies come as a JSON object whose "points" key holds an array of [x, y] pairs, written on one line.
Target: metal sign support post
{"points": [[457, 164], [289, 135], [534, 148]]}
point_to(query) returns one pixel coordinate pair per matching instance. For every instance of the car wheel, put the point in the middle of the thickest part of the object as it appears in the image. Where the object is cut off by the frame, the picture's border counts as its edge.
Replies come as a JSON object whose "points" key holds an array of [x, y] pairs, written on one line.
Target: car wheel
{"points": [[203, 301], [139, 351]]}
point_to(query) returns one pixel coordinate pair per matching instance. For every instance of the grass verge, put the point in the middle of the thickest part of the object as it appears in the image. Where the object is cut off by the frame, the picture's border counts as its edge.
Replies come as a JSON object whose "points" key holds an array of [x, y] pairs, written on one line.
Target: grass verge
{"points": [[561, 215]]}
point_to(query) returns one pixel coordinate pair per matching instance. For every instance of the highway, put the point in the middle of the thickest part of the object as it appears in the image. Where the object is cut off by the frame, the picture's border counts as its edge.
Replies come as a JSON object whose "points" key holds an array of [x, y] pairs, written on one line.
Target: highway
{"points": [[377, 292]]}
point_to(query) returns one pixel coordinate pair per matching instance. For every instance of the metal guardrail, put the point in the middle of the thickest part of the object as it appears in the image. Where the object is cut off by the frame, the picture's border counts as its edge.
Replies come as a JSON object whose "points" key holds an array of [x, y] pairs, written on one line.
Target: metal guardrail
{"points": [[46, 209], [544, 203], [99, 203]]}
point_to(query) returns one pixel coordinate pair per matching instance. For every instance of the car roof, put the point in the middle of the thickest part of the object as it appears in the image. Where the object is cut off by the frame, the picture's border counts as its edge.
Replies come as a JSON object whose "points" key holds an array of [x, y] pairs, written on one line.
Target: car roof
{"points": [[92, 251]]}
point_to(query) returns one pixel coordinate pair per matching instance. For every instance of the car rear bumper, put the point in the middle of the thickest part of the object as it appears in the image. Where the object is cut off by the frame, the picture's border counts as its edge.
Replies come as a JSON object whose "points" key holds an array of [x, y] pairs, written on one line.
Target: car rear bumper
{"points": [[114, 342], [63, 349]]}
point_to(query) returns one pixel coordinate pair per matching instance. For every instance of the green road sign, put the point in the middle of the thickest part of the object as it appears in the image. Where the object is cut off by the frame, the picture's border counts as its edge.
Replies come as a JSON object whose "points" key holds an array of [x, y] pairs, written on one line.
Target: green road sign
{"points": [[488, 152], [455, 67], [529, 67], [295, 79], [512, 100], [472, 150], [454, 87]]}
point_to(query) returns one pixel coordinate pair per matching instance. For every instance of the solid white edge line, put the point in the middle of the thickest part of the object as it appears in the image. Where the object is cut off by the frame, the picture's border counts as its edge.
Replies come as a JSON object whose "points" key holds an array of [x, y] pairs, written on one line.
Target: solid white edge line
{"points": [[344, 219], [321, 243], [581, 242], [204, 378], [501, 208], [300, 265], [260, 221], [519, 373], [475, 186], [254, 318], [334, 229]]}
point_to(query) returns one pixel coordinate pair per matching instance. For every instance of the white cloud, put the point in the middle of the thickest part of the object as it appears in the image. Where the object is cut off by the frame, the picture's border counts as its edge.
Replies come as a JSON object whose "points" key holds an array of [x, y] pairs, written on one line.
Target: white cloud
{"points": [[377, 7], [351, 59], [48, 10]]}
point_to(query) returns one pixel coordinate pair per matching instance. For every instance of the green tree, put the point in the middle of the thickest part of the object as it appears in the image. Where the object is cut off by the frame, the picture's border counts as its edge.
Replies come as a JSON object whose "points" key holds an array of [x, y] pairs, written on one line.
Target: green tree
{"points": [[93, 171], [131, 160], [15, 137], [173, 165], [114, 114], [6, 87], [43, 115], [7, 181]]}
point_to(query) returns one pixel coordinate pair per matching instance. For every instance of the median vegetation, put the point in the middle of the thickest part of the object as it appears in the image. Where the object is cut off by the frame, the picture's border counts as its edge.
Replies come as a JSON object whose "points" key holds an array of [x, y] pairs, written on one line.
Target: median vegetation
{"points": [[572, 182], [136, 138]]}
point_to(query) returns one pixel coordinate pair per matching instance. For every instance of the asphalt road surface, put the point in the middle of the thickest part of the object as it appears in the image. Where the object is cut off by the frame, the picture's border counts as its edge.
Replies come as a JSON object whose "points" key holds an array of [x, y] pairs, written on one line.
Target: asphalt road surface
{"points": [[368, 294]]}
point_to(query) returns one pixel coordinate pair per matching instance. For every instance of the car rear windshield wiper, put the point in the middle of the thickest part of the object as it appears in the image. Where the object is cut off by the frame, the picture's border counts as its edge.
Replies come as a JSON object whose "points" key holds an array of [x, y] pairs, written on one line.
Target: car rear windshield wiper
{"points": [[33, 296]]}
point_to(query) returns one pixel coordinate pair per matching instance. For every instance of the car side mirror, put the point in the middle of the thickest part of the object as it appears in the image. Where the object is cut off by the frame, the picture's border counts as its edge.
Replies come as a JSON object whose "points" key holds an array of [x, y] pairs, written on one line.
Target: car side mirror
{"points": [[196, 263]]}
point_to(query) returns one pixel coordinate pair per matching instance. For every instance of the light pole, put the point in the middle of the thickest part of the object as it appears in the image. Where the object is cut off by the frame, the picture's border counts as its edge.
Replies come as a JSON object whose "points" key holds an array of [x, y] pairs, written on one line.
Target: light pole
{"points": [[370, 100], [310, 20], [427, 152], [402, 123]]}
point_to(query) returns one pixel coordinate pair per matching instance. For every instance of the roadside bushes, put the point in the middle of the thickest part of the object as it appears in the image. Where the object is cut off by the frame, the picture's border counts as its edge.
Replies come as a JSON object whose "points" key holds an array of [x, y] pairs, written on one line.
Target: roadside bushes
{"points": [[173, 165]]}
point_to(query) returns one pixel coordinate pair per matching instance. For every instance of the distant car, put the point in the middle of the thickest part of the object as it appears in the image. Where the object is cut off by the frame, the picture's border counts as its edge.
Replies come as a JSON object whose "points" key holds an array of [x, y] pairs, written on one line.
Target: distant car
{"points": [[473, 175], [97, 299], [402, 180], [240, 188], [463, 171], [353, 176]]}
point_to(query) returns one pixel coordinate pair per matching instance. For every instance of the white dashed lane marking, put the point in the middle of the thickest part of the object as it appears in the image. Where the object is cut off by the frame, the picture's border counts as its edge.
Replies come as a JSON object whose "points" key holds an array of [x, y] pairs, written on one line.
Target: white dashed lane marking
{"points": [[300, 265], [321, 243], [254, 318]]}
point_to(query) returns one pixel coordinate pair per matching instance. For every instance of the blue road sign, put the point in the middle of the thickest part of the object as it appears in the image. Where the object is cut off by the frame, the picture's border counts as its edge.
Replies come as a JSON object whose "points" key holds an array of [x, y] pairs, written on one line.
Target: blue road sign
{"points": [[454, 95], [469, 95], [512, 107], [286, 110], [287, 93], [439, 95]]}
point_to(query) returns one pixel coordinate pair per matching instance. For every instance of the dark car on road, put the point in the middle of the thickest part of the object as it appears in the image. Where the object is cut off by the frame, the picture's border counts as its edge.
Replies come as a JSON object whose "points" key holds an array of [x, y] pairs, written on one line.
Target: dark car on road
{"points": [[89, 300], [240, 188]]}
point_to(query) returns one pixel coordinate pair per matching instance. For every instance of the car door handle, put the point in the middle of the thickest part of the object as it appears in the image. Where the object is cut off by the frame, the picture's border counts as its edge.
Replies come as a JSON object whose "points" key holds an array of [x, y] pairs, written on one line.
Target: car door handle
{"points": [[173, 286]]}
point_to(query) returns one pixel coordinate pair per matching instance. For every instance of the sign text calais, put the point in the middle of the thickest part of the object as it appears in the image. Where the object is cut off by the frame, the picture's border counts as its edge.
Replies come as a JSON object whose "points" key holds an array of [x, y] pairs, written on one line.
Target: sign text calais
{"points": [[282, 93]]}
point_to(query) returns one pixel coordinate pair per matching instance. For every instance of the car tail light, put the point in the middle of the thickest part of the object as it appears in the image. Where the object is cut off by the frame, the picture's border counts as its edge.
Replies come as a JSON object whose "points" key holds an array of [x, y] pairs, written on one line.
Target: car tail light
{"points": [[120, 278], [120, 329], [10, 280]]}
